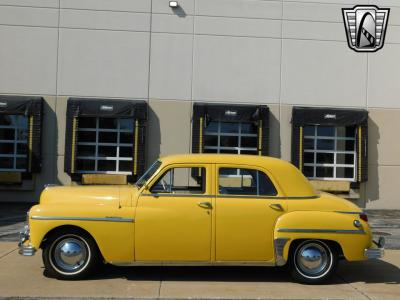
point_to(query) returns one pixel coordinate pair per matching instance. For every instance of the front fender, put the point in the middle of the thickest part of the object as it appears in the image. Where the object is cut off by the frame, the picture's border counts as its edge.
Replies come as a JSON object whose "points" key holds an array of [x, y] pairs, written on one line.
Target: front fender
{"points": [[323, 225], [115, 239]]}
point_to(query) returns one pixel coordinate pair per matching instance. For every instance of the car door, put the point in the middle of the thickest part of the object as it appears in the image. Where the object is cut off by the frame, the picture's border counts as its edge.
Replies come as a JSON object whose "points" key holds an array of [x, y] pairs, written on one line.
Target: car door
{"points": [[173, 216], [247, 206]]}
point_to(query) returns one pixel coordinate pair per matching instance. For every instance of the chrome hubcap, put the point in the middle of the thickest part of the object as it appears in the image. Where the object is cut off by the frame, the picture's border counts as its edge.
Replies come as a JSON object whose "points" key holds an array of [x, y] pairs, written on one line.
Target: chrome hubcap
{"points": [[70, 254], [312, 259]]}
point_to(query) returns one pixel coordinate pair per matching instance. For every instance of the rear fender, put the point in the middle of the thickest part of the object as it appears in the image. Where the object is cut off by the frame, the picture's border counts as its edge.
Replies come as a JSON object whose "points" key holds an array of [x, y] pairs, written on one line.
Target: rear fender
{"points": [[322, 225]]}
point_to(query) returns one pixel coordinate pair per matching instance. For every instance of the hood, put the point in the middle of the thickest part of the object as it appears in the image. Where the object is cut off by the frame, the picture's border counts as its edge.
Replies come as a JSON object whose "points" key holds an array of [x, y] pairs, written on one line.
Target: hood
{"points": [[81, 195]]}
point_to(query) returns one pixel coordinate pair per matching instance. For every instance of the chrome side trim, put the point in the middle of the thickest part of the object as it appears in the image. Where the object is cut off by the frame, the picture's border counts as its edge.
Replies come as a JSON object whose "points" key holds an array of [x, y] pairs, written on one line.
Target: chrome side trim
{"points": [[229, 196], [349, 212], [178, 195], [297, 230], [279, 245], [106, 219], [193, 263], [267, 197]]}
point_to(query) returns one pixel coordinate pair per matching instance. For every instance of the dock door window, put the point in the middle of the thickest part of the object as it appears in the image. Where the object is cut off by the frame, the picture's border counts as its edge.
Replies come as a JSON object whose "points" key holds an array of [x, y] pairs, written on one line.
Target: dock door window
{"points": [[105, 137], [234, 129], [104, 145], [330, 152], [234, 138], [13, 143], [20, 137], [331, 143]]}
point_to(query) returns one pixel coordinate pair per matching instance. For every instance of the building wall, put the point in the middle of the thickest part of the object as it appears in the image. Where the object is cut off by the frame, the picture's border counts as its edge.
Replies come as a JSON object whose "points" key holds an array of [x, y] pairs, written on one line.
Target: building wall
{"points": [[278, 53]]}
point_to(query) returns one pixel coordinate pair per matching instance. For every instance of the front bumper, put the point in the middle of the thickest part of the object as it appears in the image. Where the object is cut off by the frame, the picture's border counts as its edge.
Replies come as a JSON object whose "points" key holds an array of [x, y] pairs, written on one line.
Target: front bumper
{"points": [[376, 252], [25, 248]]}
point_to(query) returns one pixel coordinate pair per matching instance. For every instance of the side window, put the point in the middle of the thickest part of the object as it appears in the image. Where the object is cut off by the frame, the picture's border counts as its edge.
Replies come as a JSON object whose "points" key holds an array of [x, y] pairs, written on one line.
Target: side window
{"points": [[234, 181], [180, 181]]}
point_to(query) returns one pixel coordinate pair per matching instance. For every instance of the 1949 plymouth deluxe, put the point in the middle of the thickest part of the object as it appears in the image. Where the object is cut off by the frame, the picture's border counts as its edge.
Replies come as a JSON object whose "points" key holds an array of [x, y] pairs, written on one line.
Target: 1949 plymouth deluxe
{"points": [[204, 209]]}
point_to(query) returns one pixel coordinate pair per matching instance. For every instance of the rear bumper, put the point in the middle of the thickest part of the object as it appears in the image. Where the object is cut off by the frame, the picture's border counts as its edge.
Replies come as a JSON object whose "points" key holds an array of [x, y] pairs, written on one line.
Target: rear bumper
{"points": [[376, 252], [25, 248]]}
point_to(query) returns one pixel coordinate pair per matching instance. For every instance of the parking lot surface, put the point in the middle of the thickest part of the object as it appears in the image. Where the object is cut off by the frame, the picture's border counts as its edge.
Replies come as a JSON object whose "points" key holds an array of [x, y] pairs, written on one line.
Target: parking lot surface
{"points": [[25, 277]]}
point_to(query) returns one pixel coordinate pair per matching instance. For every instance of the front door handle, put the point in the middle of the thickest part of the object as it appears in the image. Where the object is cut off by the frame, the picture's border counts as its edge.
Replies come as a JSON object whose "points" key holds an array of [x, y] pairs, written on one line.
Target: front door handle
{"points": [[207, 205], [276, 206]]}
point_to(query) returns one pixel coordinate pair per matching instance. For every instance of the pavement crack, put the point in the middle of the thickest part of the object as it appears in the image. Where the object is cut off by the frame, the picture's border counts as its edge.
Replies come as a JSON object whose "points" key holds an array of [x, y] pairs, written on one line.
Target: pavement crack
{"points": [[159, 287], [4, 255], [353, 287]]}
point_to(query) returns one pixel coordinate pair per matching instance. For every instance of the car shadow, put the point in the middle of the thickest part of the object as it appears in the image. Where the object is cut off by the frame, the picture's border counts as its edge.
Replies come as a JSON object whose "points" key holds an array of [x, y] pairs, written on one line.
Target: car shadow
{"points": [[371, 271], [374, 271]]}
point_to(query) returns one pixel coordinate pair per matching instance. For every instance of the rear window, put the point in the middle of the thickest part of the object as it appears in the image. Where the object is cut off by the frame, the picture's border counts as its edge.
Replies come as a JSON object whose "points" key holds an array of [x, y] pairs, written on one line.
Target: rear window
{"points": [[239, 181]]}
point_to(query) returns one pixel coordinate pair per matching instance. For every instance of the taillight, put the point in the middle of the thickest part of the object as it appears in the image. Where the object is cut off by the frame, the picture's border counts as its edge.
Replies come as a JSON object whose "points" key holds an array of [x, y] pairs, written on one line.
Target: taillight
{"points": [[364, 217]]}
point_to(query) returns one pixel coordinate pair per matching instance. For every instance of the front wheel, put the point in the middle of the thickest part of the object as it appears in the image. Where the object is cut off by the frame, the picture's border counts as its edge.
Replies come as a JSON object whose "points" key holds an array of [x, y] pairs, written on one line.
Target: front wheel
{"points": [[70, 254], [313, 262]]}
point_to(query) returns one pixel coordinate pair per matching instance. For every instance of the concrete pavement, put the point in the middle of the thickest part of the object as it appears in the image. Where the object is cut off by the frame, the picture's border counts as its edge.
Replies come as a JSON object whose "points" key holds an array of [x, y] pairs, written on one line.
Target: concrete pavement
{"points": [[24, 277]]}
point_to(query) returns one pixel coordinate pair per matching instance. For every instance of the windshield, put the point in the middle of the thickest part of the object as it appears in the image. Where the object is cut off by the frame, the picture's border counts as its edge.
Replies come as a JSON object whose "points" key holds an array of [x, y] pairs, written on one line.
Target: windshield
{"points": [[150, 171]]}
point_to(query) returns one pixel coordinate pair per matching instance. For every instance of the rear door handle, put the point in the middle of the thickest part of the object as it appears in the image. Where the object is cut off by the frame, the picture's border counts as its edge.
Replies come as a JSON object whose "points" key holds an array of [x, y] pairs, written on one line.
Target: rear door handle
{"points": [[207, 205], [276, 206]]}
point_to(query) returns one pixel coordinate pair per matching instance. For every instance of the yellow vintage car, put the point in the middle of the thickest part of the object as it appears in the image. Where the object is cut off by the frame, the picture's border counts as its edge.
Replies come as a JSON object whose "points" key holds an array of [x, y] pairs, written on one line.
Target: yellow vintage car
{"points": [[200, 209]]}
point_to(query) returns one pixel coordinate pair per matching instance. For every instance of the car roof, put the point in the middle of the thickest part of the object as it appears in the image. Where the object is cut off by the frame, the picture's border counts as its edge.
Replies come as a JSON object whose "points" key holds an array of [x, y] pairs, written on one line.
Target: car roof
{"points": [[220, 159], [290, 179]]}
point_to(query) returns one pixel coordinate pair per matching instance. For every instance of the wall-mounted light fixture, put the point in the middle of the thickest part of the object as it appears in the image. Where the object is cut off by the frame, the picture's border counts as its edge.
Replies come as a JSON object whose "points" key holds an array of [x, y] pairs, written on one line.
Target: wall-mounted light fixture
{"points": [[173, 4]]}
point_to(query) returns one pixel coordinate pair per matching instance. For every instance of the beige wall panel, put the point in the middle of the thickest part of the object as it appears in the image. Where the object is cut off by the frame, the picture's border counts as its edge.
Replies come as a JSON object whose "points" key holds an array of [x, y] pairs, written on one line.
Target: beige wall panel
{"points": [[104, 20], [240, 8], [241, 69], [381, 191], [286, 132], [171, 24], [274, 140], [346, 2], [186, 7], [171, 66], [28, 16], [320, 11], [324, 12], [394, 5], [61, 115], [49, 128], [383, 143], [61, 177], [169, 129], [31, 3], [101, 63], [116, 5], [392, 35], [313, 31], [28, 60], [384, 77], [238, 27], [323, 73]]}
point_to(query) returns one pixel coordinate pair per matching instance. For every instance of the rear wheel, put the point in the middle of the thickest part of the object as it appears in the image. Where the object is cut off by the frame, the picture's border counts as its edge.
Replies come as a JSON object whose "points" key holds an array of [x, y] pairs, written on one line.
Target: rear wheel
{"points": [[313, 262], [70, 254]]}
